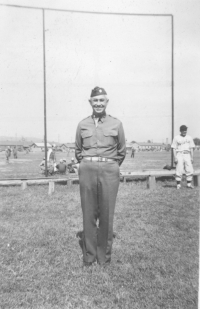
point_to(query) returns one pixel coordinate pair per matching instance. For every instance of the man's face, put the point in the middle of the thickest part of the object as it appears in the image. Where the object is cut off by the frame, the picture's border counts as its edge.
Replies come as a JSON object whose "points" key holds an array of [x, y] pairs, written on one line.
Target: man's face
{"points": [[183, 133], [99, 104]]}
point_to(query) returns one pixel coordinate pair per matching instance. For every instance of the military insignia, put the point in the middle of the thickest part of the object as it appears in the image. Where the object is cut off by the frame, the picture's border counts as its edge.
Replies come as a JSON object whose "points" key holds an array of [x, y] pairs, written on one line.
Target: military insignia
{"points": [[100, 90]]}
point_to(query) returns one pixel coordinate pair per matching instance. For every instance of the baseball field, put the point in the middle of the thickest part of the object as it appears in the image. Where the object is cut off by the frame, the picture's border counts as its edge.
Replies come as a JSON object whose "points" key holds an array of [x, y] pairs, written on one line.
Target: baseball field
{"points": [[155, 253]]}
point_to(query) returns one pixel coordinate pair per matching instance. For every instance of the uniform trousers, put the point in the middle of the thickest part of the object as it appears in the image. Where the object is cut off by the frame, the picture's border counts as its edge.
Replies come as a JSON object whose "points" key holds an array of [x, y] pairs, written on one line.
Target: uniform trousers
{"points": [[99, 183], [184, 166]]}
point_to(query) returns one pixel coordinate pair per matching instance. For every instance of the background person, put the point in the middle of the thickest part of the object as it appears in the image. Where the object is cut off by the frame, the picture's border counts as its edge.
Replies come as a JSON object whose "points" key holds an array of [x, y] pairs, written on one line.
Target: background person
{"points": [[51, 158], [8, 154], [72, 166], [61, 167], [51, 155], [42, 165], [15, 152], [132, 152], [183, 149], [50, 169], [100, 148]]}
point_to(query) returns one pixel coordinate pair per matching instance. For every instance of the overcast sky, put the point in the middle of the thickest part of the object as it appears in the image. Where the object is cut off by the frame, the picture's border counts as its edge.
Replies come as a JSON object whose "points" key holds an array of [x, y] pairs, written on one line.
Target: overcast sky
{"points": [[130, 56]]}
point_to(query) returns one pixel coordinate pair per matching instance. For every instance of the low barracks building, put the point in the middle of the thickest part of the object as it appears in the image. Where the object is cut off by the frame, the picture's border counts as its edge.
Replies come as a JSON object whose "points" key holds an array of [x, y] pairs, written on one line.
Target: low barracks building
{"points": [[149, 146], [20, 145]]}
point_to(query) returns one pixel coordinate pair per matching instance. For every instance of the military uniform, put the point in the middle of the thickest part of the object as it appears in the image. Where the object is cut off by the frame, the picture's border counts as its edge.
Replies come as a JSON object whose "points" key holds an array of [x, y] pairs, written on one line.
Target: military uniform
{"points": [[100, 149]]}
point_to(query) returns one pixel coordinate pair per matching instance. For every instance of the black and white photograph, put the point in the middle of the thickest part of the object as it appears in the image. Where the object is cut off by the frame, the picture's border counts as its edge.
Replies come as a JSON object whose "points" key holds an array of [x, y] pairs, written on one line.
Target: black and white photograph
{"points": [[99, 154]]}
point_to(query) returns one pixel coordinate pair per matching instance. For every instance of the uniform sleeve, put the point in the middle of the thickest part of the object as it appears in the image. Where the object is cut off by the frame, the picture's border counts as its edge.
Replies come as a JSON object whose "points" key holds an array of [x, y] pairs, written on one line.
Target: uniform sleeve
{"points": [[121, 148], [174, 144], [192, 145], [78, 144]]}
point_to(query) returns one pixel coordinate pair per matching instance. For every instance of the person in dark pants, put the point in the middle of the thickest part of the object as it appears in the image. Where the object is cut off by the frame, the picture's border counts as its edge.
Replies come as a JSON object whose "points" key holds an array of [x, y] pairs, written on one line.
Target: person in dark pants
{"points": [[100, 148], [15, 152], [61, 167], [132, 152]]}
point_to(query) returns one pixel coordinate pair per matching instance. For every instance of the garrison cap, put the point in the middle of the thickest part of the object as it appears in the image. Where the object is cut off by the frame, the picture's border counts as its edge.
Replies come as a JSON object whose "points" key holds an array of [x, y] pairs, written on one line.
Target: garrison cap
{"points": [[97, 91], [183, 128]]}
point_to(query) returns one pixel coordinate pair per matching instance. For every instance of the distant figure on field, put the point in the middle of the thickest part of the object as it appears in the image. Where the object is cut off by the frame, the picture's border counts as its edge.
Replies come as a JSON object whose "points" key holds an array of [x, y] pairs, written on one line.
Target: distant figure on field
{"points": [[15, 152], [132, 152], [61, 167], [72, 167], [50, 168], [8, 154], [42, 165], [183, 149], [51, 155]]}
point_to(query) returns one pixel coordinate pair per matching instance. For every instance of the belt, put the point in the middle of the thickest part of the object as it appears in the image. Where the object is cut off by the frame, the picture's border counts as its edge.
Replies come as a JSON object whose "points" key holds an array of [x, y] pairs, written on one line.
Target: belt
{"points": [[185, 152], [98, 159]]}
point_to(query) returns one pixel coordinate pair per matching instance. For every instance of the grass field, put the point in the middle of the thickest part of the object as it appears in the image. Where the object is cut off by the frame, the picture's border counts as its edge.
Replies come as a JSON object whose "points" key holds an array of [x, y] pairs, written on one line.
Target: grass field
{"points": [[28, 165], [155, 253]]}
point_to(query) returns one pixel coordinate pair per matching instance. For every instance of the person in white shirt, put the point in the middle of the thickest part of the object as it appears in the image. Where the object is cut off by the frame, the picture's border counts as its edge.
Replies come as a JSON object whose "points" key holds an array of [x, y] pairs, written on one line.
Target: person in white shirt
{"points": [[183, 149]]}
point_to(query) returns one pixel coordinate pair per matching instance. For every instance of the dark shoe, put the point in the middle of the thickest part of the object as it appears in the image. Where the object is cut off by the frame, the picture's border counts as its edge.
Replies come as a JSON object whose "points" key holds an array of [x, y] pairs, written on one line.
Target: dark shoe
{"points": [[79, 234]]}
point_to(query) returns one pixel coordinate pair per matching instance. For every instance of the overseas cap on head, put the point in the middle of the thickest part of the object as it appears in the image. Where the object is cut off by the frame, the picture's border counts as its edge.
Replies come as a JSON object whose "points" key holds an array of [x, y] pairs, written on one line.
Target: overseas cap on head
{"points": [[183, 128], [97, 91]]}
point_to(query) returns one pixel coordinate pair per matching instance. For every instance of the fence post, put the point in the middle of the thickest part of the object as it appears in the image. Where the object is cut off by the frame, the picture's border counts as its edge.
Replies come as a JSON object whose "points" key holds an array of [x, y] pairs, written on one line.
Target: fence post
{"points": [[51, 187], [151, 182], [24, 185], [69, 182]]}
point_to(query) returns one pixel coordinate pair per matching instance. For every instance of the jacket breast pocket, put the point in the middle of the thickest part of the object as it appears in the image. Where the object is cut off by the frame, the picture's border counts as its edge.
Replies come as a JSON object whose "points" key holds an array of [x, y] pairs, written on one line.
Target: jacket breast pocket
{"points": [[110, 137], [87, 137]]}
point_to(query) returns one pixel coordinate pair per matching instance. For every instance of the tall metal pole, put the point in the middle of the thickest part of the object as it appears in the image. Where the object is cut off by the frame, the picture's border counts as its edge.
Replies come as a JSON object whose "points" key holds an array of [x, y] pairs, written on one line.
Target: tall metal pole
{"points": [[172, 155], [45, 115]]}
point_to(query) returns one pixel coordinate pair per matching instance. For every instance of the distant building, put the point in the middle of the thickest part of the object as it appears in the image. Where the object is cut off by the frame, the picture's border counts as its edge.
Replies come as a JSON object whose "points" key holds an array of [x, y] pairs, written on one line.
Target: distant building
{"points": [[151, 146], [19, 144], [135, 145], [129, 146], [64, 147], [39, 146], [71, 146]]}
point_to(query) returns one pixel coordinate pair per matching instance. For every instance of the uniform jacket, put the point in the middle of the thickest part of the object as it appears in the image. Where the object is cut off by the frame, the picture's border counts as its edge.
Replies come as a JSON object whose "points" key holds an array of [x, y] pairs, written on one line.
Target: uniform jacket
{"points": [[107, 140]]}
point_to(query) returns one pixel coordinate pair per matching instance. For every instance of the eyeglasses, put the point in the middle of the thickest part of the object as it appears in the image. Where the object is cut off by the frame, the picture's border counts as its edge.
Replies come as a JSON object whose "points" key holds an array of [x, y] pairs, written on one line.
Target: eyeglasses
{"points": [[100, 105]]}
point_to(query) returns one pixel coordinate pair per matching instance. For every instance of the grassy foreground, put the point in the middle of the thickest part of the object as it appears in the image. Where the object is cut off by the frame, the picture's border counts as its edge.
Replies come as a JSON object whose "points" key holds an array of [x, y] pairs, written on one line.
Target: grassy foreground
{"points": [[155, 254]]}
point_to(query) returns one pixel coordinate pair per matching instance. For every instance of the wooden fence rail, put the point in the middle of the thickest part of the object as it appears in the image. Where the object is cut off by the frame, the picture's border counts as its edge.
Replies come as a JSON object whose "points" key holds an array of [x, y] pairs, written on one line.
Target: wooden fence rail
{"points": [[150, 176]]}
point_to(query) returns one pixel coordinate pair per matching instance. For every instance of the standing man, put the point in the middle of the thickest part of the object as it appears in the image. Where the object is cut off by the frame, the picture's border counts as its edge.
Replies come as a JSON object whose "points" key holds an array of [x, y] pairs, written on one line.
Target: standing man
{"points": [[8, 154], [15, 152], [132, 152], [183, 149], [100, 148]]}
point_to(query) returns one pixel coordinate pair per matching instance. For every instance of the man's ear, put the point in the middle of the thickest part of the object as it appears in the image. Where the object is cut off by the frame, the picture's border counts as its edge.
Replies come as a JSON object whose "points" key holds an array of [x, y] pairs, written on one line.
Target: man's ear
{"points": [[90, 102]]}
